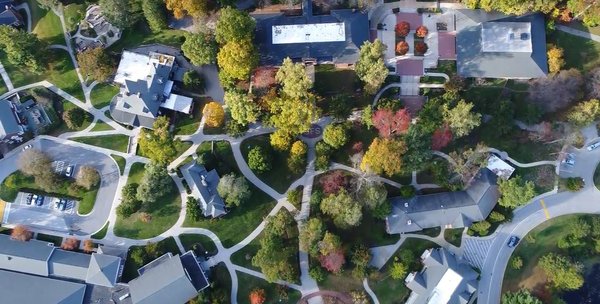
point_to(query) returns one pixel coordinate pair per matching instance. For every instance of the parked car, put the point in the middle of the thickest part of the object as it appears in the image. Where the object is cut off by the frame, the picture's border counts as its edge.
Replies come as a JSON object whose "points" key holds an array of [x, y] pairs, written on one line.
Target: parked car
{"points": [[29, 198], [27, 147], [34, 198], [593, 146], [513, 241], [569, 161], [61, 204], [40, 200], [69, 171]]}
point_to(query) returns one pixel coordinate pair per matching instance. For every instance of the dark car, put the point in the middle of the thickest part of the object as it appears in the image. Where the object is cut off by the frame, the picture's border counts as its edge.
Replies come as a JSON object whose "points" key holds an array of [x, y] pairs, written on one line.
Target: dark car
{"points": [[39, 201], [513, 241]]}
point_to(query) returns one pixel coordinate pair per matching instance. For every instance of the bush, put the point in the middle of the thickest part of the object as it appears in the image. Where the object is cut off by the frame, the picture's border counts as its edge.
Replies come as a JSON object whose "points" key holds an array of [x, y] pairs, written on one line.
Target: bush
{"points": [[74, 117], [193, 81], [481, 228], [407, 191], [496, 217], [318, 274], [259, 160], [335, 135], [402, 48], [294, 197], [575, 183], [516, 262], [422, 31], [402, 28]]}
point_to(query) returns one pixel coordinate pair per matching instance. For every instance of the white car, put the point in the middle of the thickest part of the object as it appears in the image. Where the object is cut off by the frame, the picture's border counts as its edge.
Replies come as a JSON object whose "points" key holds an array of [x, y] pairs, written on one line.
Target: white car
{"points": [[593, 146], [27, 147], [569, 161], [69, 171]]}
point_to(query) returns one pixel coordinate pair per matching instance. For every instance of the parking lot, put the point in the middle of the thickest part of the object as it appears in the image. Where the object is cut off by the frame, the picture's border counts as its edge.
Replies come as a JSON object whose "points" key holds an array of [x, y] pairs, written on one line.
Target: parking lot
{"points": [[49, 203]]}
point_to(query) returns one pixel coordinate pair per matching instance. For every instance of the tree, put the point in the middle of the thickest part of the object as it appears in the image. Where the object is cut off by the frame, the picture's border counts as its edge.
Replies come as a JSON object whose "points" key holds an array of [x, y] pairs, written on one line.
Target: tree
{"points": [[359, 297], [87, 177], [49, 4], [121, 13], [88, 246], [193, 81], [129, 202], [200, 48], [21, 233], [293, 116], [310, 236], [70, 243], [38, 164], [74, 117], [236, 59], [421, 31], [384, 156], [96, 64], [274, 259], [401, 48], [496, 217], [482, 228], [367, 117], [242, 107], [370, 66], [214, 115], [562, 273], [158, 144], [441, 137], [575, 183], [360, 258], [520, 297], [515, 192], [402, 28], [516, 262], [333, 181], [584, 113], [293, 79], [297, 159], [344, 209], [418, 149], [318, 274], [154, 12], [515, 7], [280, 140], [194, 8], [333, 262], [279, 224], [557, 91], [234, 25], [335, 135], [257, 296], [389, 123], [460, 118], [23, 49], [259, 160], [234, 189], [398, 270], [555, 59], [340, 106], [155, 183], [193, 209], [467, 163], [372, 195], [592, 82], [589, 11], [421, 47]]}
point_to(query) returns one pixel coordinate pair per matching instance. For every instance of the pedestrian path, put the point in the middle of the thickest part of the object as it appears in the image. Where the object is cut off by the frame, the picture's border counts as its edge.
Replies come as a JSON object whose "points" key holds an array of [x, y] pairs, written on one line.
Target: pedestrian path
{"points": [[579, 33]]}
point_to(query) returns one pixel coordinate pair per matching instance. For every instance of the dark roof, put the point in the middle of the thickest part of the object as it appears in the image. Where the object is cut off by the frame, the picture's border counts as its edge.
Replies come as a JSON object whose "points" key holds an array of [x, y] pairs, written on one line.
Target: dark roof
{"points": [[29, 257], [197, 276], [356, 29], [24, 288], [472, 61], [204, 186], [8, 15], [8, 122], [457, 209]]}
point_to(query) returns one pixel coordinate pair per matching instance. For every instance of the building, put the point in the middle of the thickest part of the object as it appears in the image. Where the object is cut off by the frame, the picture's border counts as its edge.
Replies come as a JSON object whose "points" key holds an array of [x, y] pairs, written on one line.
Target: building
{"points": [[11, 128], [204, 187], [333, 38], [168, 279], [448, 209], [442, 280], [9, 15], [492, 45], [54, 275], [146, 82]]}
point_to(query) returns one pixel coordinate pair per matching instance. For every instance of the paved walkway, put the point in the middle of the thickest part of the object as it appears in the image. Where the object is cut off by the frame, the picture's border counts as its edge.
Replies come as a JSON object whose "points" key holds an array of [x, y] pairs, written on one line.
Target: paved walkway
{"points": [[577, 32], [25, 6]]}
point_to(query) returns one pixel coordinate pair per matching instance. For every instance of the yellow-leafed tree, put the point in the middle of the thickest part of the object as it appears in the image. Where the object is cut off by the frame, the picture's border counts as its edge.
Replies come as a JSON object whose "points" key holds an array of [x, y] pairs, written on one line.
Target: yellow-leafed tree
{"points": [[384, 156], [214, 114], [194, 8], [555, 59]]}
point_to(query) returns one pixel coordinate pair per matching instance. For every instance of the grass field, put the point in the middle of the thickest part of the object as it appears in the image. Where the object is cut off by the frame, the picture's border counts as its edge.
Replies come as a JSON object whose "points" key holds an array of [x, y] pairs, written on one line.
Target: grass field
{"points": [[117, 142], [224, 161], [46, 25], [120, 162], [101, 233], [102, 94], [188, 241], [247, 283], [61, 127], [243, 257], [101, 126], [454, 236], [136, 173], [141, 34], [579, 53], [74, 13], [188, 124]]}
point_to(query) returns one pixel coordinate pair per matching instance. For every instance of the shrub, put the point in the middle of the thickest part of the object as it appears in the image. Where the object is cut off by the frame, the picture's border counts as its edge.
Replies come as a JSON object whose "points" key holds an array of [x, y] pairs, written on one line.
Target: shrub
{"points": [[421, 47], [402, 28], [318, 274], [407, 191], [482, 228], [294, 197], [496, 216], [193, 81], [422, 31], [401, 48], [575, 183], [74, 117], [259, 160], [516, 262]]}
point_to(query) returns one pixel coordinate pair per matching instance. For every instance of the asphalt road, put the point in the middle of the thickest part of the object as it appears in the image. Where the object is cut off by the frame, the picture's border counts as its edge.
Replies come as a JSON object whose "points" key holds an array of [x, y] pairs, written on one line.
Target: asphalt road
{"points": [[534, 214], [70, 154]]}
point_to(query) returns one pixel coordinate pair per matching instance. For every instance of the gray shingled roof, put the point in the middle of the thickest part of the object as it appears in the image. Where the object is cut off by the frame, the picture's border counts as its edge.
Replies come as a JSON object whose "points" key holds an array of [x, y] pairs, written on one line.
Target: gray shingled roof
{"points": [[8, 15], [29, 257], [103, 270], [458, 209], [473, 61], [8, 122], [436, 264], [68, 264], [166, 282], [204, 187], [23, 288]]}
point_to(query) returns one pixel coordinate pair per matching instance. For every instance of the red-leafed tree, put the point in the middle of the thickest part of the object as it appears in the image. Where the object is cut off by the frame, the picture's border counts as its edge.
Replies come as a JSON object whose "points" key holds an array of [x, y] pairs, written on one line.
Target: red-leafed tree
{"points": [[389, 123], [21, 233], [422, 31], [258, 296], [441, 137], [421, 47], [357, 147], [70, 244], [402, 28], [401, 48], [333, 182], [334, 261]]}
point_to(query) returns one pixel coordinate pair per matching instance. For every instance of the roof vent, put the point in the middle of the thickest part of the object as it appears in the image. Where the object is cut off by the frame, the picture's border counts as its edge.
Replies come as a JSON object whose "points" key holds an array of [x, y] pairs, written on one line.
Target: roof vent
{"points": [[524, 36], [50, 244], [406, 205], [409, 222]]}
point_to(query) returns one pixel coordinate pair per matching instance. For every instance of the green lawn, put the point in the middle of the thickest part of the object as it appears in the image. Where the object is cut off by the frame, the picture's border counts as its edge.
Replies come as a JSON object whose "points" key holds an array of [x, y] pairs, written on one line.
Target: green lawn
{"points": [[180, 147], [243, 257], [389, 290], [74, 13], [240, 221], [189, 240], [60, 127], [332, 81], [279, 177], [454, 236], [102, 94], [141, 35], [120, 162], [188, 124], [56, 240], [131, 267], [117, 142], [101, 126], [579, 53], [224, 161], [247, 283], [86, 204], [101, 233], [136, 173], [46, 25]]}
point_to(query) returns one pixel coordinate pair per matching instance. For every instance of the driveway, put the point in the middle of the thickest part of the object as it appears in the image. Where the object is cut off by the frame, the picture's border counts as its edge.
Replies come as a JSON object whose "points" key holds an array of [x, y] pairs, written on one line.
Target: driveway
{"points": [[69, 154]]}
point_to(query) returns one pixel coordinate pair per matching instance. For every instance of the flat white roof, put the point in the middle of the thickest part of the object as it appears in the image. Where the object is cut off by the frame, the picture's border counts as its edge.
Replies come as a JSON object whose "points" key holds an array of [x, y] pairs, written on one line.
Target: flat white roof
{"points": [[308, 33], [445, 288], [178, 103], [501, 168], [506, 37], [134, 66]]}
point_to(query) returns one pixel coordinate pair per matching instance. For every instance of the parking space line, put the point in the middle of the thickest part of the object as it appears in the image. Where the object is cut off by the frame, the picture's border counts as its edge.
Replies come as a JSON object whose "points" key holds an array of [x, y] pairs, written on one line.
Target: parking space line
{"points": [[545, 209]]}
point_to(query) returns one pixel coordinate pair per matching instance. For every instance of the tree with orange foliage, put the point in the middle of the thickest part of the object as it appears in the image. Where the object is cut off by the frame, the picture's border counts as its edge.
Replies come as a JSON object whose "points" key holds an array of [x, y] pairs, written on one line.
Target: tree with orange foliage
{"points": [[214, 114], [88, 246], [70, 244], [390, 123], [21, 233], [257, 296], [441, 137], [421, 47], [401, 48], [422, 31], [402, 28]]}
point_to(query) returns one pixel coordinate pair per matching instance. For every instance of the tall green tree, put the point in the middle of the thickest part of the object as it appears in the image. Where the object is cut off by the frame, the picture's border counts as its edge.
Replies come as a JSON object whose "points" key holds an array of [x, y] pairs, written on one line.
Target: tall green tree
{"points": [[461, 118], [158, 144], [370, 66], [234, 26], [96, 64], [335, 135], [200, 48], [23, 49], [121, 13], [293, 116], [311, 235], [234, 189], [242, 107], [584, 113], [155, 183], [522, 296], [293, 79], [562, 273], [515, 192], [343, 208], [155, 14]]}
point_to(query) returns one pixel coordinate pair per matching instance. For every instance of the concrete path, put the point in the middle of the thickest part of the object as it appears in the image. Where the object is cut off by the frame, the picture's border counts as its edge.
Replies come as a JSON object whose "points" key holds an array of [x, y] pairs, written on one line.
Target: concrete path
{"points": [[576, 32], [25, 6], [370, 292]]}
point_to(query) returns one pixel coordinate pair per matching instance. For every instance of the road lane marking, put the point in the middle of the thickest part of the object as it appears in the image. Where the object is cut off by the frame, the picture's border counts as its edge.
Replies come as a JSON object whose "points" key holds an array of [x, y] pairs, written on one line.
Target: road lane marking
{"points": [[545, 209]]}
